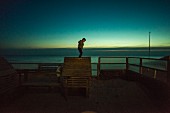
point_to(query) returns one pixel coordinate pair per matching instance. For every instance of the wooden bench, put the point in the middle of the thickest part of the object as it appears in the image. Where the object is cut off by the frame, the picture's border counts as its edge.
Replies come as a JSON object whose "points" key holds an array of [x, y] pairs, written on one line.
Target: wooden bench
{"points": [[45, 76], [76, 73]]}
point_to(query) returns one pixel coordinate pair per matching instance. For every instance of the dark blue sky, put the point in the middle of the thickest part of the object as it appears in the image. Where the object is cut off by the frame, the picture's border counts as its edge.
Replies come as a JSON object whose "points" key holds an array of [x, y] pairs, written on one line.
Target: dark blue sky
{"points": [[104, 23]]}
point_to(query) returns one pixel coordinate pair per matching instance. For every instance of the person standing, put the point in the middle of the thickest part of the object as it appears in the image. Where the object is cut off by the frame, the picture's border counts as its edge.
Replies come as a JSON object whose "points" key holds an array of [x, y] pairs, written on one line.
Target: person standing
{"points": [[80, 46]]}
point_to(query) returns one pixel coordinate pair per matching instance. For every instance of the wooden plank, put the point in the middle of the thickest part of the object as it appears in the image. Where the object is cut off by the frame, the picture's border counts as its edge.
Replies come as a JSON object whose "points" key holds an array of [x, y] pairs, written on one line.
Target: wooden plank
{"points": [[41, 84], [77, 66], [47, 67]]}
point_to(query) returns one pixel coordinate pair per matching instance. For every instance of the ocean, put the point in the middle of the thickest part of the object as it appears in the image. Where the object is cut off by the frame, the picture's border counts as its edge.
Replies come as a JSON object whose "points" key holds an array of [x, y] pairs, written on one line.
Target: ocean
{"points": [[57, 55]]}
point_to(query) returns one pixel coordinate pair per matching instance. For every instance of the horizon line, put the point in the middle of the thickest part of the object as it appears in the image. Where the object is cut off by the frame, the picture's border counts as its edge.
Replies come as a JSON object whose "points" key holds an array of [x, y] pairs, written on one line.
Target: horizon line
{"points": [[87, 47]]}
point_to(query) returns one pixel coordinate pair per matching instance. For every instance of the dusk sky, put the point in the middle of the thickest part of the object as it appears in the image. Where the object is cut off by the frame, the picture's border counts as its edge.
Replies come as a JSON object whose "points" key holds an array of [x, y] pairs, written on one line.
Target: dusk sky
{"points": [[104, 23]]}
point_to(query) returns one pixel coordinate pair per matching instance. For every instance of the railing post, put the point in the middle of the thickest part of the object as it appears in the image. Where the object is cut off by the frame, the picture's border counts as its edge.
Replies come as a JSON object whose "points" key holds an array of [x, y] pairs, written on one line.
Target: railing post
{"points": [[168, 72], [39, 66], [98, 67], [127, 64], [25, 75], [140, 66]]}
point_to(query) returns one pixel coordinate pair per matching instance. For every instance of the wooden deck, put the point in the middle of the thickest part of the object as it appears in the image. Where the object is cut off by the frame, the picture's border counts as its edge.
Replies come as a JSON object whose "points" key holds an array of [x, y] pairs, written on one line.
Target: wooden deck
{"points": [[122, 91], [118, 95]]}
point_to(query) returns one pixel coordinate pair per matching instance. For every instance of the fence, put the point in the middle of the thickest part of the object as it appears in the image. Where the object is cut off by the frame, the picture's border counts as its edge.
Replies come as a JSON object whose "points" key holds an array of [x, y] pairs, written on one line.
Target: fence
{"points": [[154, 68]]}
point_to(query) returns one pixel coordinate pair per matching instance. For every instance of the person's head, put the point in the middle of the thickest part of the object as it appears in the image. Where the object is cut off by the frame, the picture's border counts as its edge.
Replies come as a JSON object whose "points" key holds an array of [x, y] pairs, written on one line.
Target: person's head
{"points": [[84, 39]]}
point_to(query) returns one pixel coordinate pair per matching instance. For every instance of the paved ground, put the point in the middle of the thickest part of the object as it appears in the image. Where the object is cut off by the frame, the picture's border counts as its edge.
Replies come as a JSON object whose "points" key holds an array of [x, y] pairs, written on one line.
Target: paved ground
{"points": [[106, 96]]}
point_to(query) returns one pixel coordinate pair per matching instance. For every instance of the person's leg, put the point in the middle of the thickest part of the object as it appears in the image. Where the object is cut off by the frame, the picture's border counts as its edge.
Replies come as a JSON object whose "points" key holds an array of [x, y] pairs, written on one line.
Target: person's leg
{"points": [[81, 52]]}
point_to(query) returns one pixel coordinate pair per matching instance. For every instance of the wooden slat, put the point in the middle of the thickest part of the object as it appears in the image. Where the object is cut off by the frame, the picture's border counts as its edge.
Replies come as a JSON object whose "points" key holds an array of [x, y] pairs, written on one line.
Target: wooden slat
{"points": [[4, 65], [7, 72], [41, 84], [9, 80]]}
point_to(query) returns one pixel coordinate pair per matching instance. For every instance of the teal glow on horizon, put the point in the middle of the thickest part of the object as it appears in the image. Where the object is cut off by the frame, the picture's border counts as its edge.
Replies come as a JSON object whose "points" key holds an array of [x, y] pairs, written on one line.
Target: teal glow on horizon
{"points": [[104, 23]]}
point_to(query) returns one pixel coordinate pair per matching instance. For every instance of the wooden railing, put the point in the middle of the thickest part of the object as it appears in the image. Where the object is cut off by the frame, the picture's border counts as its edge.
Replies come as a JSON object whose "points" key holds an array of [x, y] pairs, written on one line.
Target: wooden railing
{"points": [[150, 67], [31, 67]]}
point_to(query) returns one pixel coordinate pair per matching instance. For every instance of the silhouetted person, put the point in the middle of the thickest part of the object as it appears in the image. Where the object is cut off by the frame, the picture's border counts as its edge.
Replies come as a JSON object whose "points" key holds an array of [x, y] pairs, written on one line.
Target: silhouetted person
{"points": [[80, 46]]}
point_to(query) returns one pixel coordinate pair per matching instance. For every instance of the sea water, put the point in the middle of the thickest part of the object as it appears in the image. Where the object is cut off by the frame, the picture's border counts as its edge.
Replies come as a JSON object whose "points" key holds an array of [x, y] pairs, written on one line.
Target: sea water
{"points": [[57, 56]]}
